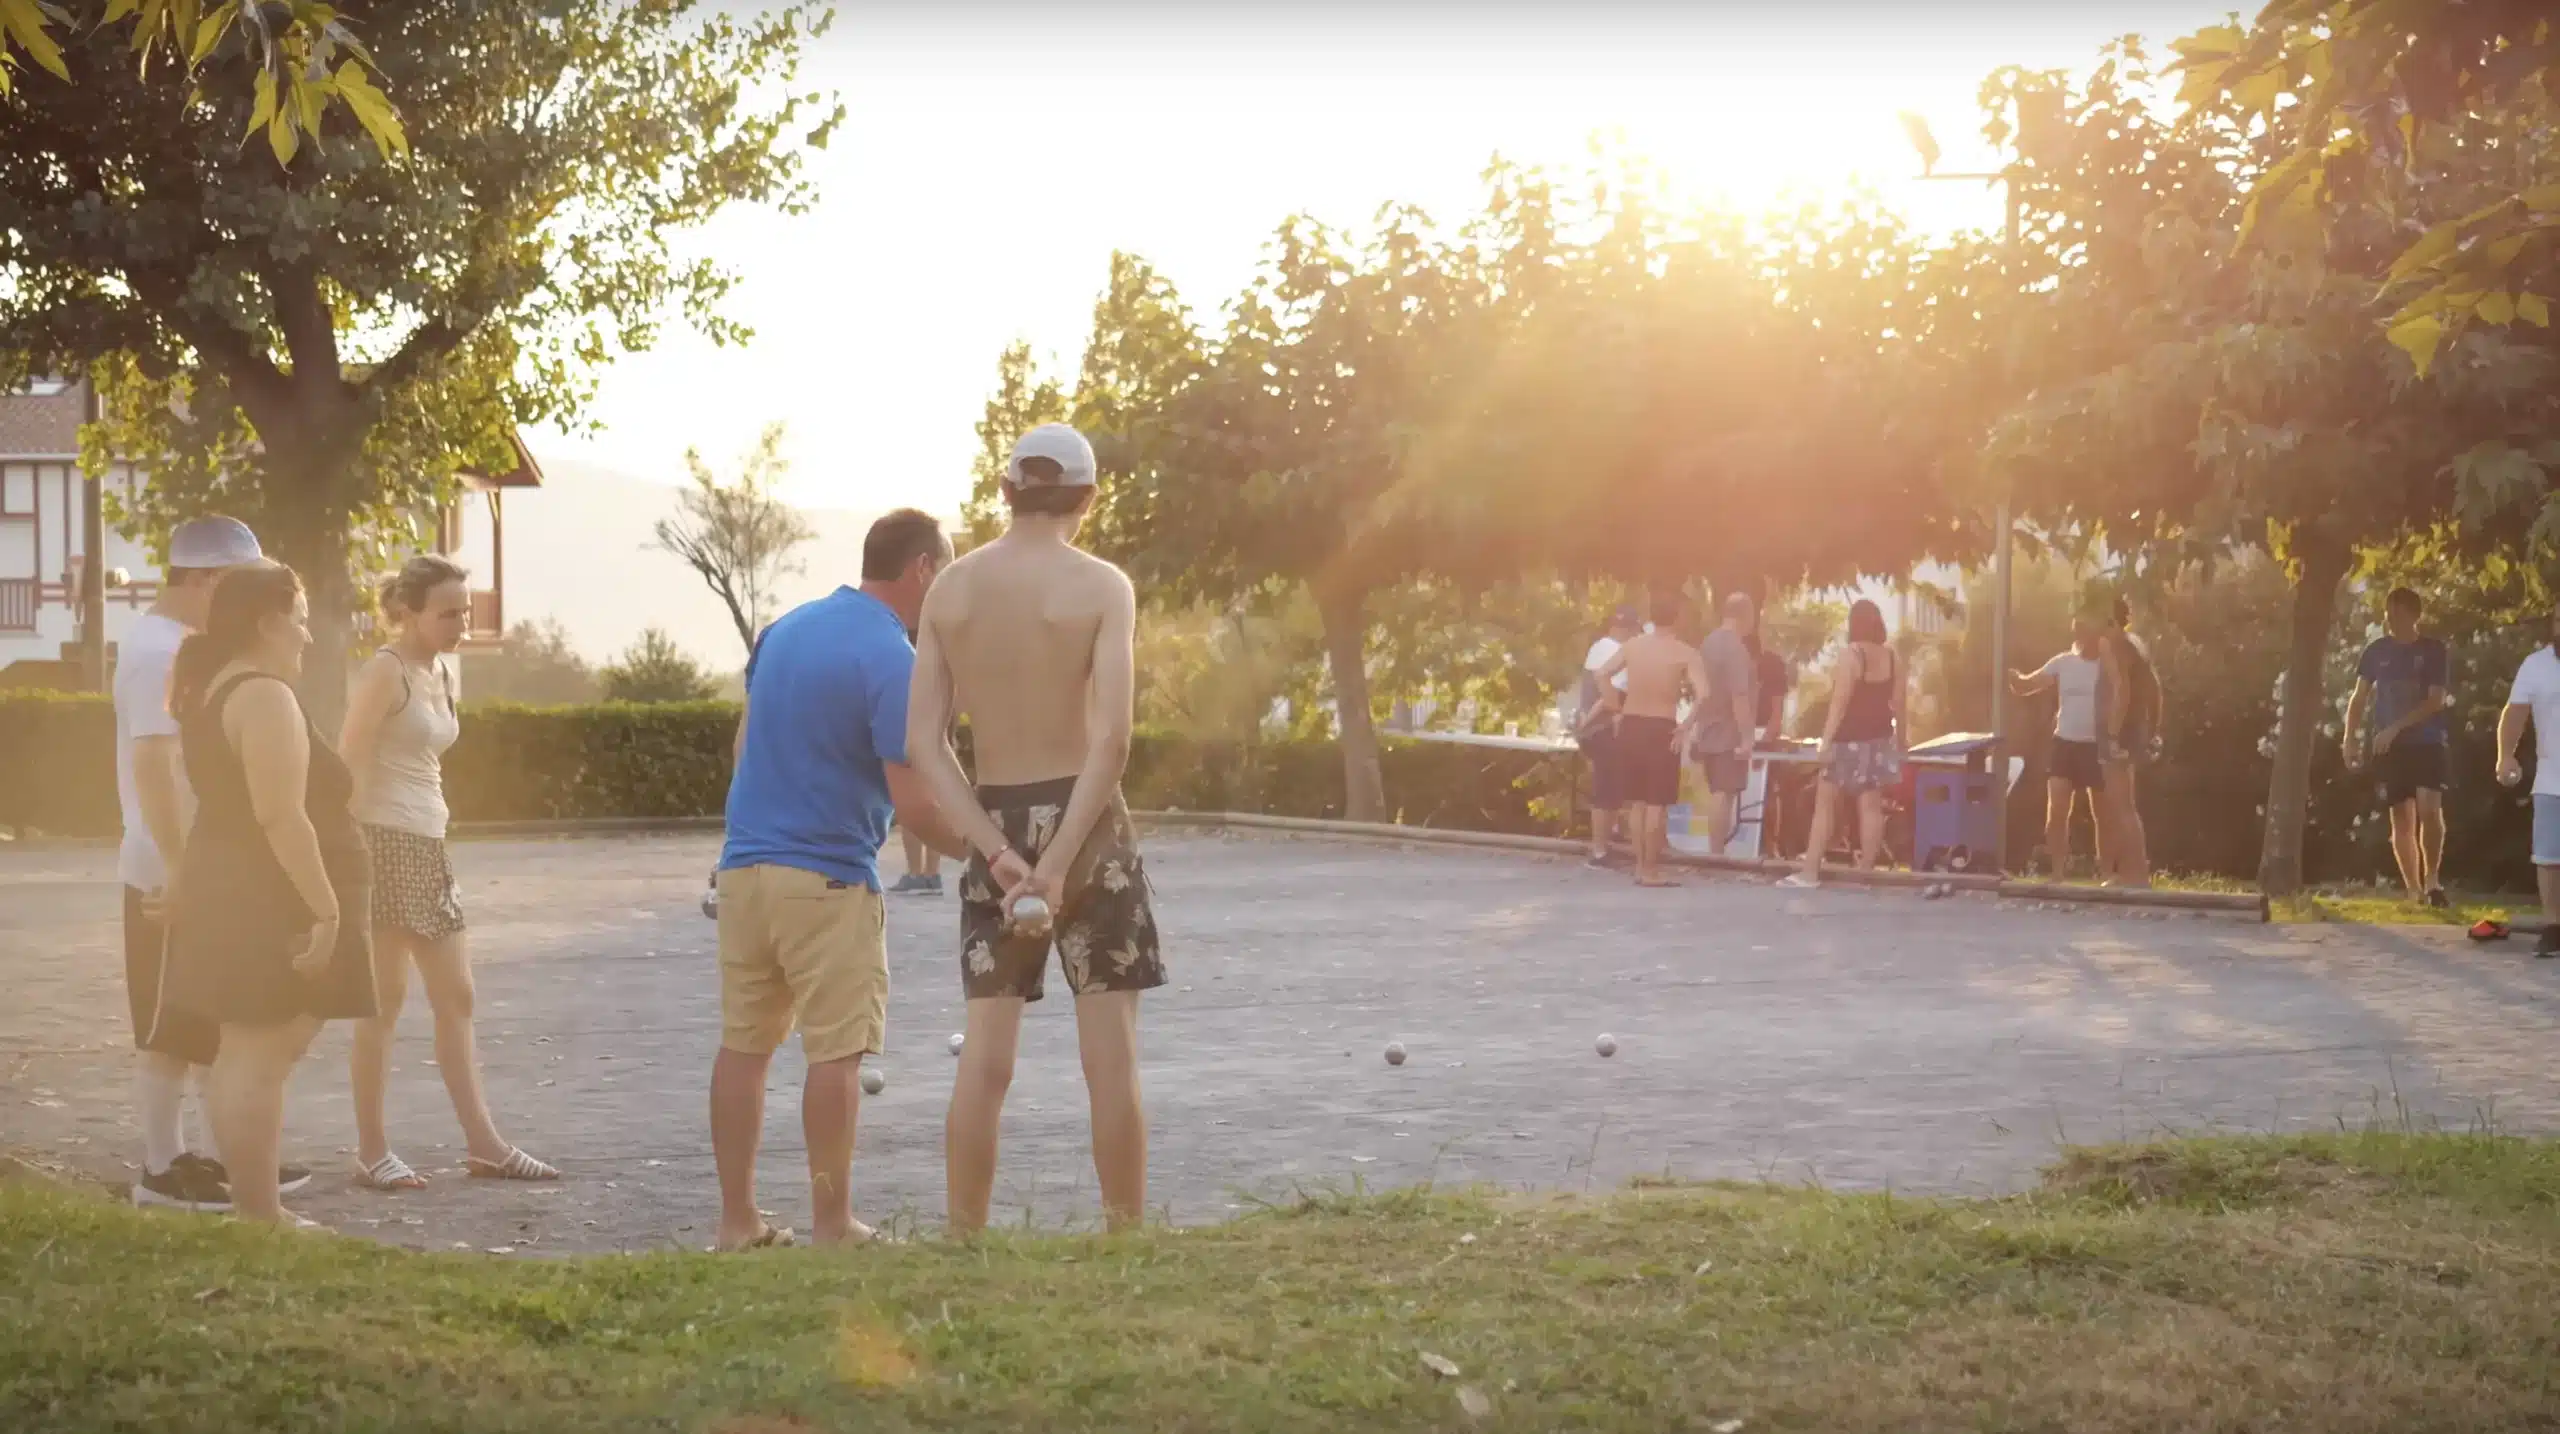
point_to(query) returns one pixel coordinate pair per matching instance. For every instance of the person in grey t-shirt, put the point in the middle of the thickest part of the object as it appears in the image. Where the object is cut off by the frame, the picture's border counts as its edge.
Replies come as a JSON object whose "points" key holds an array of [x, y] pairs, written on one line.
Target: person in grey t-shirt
{"points": [[1722, 745]]}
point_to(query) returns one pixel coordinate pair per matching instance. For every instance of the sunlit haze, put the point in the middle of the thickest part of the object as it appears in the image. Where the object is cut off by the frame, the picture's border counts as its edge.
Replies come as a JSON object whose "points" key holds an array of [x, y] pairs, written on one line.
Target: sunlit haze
{"points": [[993, 159]]}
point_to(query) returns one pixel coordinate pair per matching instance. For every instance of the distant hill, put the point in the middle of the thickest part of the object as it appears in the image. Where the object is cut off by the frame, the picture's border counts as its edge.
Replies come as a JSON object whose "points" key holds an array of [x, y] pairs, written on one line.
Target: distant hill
{"points": [[579, 549]]}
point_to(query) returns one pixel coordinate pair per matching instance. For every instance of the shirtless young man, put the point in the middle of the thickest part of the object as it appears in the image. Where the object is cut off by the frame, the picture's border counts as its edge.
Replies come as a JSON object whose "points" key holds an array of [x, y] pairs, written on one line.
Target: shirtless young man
{"points": [[1032, 639], [1651, 735]]}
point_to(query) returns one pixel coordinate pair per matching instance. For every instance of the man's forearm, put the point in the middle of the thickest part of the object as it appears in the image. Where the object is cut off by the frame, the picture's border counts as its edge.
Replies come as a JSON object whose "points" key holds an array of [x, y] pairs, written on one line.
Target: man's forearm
{"points": [[156, 792], [956, 806], [1742, 723], [2510, 731], [1105, 760]]}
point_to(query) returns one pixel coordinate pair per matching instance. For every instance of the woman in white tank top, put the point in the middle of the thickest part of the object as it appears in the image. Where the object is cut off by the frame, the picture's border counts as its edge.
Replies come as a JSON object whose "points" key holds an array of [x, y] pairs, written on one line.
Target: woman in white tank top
{"points": [[401, 719]]}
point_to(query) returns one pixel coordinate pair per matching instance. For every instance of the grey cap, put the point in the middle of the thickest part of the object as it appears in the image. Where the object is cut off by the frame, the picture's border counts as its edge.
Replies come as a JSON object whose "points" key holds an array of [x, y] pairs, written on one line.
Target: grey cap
{"points": [[1059, 444], [213, 543]]}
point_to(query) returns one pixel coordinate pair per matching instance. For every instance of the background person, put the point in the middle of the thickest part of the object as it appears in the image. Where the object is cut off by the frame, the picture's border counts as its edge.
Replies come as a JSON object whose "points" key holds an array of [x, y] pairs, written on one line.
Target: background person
{"points": [[2076, 676], [2535, 699], [400, 720], [1596, 730], [1727, 718], [2133, 727], [151, 790], [923, 876], [1659, 666], [269, 922], [2403, 679], [821, 770], [1861, 751]]}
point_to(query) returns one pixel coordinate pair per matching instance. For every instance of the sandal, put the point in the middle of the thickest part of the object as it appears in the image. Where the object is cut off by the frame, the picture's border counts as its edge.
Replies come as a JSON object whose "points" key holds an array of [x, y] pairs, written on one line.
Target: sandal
{"points": [[389, 1173], [771, 1237], [516, 1166]]}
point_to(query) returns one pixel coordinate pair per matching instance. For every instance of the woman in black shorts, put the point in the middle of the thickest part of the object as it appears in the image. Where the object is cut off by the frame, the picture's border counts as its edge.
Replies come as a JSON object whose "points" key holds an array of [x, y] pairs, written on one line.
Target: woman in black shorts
{"points": [[268, 918]]}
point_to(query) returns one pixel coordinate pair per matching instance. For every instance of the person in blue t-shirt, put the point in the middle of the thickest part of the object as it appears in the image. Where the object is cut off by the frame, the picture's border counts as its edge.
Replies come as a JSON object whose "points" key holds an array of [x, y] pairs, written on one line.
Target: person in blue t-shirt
{"points": [[821, 771], [2404, 680]]}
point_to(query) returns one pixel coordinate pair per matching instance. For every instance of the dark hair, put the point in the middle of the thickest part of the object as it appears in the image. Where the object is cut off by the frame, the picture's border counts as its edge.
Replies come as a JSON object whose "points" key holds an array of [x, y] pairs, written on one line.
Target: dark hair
{"points": [[2123, 611], [897, 540], [2405, 597], [245, 598], [407, 590], [1668, 609], [1866, 622], [1047, 499]]}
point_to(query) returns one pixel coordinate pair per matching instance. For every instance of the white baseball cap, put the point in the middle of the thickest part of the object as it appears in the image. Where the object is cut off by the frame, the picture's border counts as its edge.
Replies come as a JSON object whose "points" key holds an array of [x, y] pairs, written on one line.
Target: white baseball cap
{"points": [[213, 543], [1059, 444]]}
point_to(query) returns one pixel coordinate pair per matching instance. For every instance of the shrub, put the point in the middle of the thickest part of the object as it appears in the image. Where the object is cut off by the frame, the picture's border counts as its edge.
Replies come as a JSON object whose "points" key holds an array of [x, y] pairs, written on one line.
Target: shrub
{"points": [[657, 760]]}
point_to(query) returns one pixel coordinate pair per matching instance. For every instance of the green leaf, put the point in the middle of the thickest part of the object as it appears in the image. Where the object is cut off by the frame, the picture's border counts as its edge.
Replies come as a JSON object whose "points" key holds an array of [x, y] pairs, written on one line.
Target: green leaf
{"points": [[282, 137], [2430, 250], [264, 109], [25, 21], [209, 34], [2534, 309], [2419, 338], [2495, 307], [2542, 198]]}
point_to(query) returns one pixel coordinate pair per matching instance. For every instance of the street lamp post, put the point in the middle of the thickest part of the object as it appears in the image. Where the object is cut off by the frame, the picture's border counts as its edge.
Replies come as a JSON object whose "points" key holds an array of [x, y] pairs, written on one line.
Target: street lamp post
{"points": [[2038, 116]]}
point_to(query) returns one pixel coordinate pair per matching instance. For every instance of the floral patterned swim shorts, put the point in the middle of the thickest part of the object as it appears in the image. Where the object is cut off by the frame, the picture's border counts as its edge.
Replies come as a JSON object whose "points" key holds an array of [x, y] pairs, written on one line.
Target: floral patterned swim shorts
{"points": [[1106, 931]]}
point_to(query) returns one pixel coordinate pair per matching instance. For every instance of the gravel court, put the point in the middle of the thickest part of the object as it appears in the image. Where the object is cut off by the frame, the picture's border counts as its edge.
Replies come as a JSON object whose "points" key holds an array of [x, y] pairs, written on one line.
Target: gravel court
{"points": [[1861, 1039]]}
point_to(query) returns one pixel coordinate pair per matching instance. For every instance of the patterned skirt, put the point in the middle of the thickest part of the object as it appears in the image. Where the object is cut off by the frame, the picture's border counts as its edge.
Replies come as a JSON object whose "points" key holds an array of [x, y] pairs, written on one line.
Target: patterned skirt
{"points": [[413, 885]]}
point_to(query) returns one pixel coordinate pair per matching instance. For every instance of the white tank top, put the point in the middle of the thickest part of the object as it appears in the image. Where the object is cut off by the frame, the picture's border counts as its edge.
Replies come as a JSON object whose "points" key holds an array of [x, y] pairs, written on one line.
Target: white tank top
{"points": [[404, 789]]}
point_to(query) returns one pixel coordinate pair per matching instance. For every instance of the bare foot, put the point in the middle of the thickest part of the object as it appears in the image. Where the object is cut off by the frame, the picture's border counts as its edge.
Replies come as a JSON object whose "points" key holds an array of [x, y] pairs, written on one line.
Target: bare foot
{"points": [[854, 1233]]}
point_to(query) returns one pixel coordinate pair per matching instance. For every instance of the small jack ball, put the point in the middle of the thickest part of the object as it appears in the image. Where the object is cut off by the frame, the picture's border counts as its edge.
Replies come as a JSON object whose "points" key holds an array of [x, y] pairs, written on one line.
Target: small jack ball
{"points": [[957, 1041], [873, 1082], [1607, 1045], [1395, 1053]]}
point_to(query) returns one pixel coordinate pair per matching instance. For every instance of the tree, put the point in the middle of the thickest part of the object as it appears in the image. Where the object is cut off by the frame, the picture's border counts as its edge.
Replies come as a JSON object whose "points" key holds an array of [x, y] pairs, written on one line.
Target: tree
{"points": [[534, 666], [318, 345], [2204, 398], [737, 537], [289, 46], [1023, 400], [2359, 85], [654, 669]]}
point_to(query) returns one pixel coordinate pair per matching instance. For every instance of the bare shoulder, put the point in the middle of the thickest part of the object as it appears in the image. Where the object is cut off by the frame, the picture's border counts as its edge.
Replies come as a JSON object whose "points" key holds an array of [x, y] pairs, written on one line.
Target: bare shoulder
{"points": [[1104, 577]]}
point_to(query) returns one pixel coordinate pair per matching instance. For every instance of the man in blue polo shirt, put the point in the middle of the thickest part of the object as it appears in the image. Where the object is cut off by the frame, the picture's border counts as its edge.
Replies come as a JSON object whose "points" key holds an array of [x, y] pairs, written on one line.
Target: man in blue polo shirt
{"points": [[821, 772], [2404, 679]]}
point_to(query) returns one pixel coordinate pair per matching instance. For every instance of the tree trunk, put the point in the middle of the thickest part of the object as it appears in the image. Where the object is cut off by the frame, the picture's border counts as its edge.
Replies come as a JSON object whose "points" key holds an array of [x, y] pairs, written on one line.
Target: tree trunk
{"points": [[315, 546], [2315, 608], [1346, 632]]}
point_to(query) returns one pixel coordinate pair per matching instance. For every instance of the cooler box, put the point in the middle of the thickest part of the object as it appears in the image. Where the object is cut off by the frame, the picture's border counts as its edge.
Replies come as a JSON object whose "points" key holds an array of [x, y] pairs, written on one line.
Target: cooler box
{"points": [[1954, 820]]}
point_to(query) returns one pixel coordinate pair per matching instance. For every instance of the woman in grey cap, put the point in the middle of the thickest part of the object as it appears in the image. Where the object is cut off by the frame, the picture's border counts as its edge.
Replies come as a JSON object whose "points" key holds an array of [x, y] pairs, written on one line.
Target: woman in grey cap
{"points": [[400, 720]]}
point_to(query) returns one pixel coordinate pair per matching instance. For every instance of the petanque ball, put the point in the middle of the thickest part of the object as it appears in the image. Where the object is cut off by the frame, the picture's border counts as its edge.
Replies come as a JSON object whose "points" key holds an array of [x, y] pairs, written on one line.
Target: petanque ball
{"points": [[873, 1082], [1395, 1053], [1607, 1044], [957, 1041]]}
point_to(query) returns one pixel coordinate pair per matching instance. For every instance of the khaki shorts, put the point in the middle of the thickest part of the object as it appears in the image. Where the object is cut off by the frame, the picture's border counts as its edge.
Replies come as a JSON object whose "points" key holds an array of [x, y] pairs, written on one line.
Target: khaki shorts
{"points": [[798, 948]]}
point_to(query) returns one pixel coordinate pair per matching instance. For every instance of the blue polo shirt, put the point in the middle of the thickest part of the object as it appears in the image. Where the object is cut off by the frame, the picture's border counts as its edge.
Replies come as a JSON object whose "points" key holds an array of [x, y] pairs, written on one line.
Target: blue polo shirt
{"points": [[826, 707], [2402, 673]]}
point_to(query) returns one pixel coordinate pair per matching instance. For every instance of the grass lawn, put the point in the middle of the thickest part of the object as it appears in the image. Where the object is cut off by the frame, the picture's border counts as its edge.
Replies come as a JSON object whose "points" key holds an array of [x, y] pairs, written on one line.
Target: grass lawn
{"points": [[2369, 904], [2354, 1282]]}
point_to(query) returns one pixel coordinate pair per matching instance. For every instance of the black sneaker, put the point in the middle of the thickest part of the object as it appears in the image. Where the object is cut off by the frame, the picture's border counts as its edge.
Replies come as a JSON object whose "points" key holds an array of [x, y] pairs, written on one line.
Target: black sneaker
{"points": [[185, 1185], [289, 1178], [2437, 899], [2549, 946]]}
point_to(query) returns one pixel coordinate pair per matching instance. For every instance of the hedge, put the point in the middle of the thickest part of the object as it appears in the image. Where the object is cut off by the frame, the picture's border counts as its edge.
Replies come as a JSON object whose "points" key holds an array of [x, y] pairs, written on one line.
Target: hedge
{"points": [[57, 770]]}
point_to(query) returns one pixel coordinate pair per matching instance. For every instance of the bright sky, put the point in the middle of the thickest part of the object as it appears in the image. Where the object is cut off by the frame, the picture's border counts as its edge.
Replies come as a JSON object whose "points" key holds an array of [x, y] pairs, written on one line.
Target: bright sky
{"points": [[994, 156]]}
